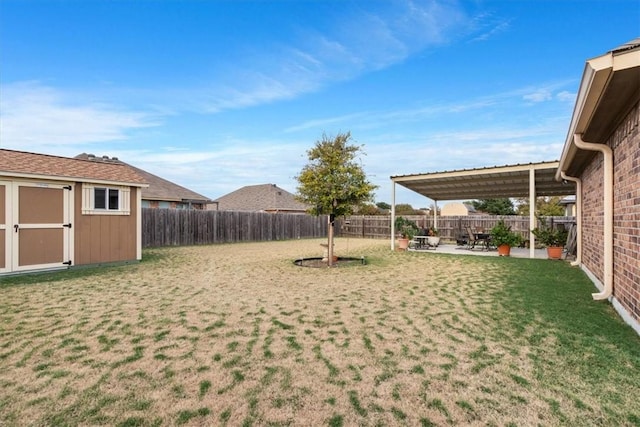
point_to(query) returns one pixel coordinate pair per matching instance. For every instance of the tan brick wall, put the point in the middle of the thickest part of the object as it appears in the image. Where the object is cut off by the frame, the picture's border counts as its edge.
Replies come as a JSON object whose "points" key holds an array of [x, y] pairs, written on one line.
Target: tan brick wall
{"points": [[625, 143]]}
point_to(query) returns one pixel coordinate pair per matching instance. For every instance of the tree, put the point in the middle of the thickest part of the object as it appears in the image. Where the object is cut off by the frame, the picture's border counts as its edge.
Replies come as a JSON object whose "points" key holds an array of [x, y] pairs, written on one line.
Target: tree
{"points": [[503, 206], [383, 206], [545, 206], [406, 209], [367, 209], [333, 183]]}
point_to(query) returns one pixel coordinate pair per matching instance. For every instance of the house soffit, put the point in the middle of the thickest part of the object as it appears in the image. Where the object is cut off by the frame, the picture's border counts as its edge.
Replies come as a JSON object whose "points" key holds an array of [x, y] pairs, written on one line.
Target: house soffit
{"points": [[622, 92], [614, 101]]}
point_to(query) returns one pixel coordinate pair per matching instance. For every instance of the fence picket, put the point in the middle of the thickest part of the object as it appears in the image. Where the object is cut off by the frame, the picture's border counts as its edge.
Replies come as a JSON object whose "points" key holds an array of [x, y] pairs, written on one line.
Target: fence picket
{"points": [[176, 227], [449, 227]]}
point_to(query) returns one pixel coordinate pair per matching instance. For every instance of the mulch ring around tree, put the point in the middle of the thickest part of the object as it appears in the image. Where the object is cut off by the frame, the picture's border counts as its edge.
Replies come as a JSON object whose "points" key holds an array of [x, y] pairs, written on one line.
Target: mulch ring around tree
{"points": [[317, 262]]}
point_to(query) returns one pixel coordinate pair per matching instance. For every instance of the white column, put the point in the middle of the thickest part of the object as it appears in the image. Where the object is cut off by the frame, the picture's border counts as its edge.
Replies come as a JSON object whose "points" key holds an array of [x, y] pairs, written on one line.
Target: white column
{"points": [[435, 214], [532, 212], [393, 215]]}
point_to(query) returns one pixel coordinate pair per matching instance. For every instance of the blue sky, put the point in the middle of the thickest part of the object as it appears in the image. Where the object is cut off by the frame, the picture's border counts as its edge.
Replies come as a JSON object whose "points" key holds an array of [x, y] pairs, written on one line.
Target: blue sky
{"points": [[215, 95]]}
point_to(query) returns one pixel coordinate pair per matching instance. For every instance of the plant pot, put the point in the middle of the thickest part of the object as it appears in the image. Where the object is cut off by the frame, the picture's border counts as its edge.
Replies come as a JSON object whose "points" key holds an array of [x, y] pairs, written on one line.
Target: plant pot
{"points": [[554, 252], [433, 241], [403, 244], [504, 250]]}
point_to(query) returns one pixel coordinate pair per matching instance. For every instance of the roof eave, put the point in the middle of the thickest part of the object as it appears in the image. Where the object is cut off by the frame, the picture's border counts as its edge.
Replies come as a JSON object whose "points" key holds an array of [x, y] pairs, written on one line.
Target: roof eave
{"points": [[596, 78], [71, 179], [476, 171]]}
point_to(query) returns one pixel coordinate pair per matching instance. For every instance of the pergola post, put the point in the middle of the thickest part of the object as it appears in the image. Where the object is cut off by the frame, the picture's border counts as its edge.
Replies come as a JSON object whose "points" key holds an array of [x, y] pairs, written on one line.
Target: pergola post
{"points": [[532, 212], [435, 214], [393, 215]]}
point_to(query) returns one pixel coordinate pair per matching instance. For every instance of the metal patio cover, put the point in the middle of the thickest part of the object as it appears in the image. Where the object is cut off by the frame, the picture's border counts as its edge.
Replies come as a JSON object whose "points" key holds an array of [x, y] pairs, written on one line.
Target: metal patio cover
{"points": [[488, 183]]}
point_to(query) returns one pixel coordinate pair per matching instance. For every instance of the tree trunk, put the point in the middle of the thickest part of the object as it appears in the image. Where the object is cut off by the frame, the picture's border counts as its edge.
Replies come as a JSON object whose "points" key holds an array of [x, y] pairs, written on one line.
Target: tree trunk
{"points": [[330, 241]]}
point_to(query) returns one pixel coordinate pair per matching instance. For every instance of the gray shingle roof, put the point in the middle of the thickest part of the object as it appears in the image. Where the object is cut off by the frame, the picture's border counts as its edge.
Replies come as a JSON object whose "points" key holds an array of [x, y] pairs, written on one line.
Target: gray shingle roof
{"points": [[159, 188], [264, 197], [628, 45]]}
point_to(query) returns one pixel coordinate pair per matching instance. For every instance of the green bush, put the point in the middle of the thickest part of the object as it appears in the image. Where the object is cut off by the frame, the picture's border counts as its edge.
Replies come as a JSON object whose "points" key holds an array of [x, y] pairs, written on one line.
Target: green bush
{"points": [[502, 235], [406, 227], [550, 236]]}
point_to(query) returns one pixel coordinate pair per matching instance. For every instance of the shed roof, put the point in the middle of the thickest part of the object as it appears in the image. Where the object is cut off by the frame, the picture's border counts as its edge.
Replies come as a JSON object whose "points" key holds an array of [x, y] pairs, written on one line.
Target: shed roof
{"points": [[487, 182], [263, 197], [39, 166]]}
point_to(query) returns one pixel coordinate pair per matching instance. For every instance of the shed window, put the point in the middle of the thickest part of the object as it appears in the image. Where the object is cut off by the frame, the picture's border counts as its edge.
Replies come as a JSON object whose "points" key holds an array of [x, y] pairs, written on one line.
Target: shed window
{"points": [[105, 200]]}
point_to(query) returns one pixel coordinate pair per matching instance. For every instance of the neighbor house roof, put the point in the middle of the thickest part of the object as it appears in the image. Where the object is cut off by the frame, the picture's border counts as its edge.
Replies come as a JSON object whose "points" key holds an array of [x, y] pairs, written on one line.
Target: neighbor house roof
{"points": [[42, 166], [264, 197], [610, 84], [159, 188]]}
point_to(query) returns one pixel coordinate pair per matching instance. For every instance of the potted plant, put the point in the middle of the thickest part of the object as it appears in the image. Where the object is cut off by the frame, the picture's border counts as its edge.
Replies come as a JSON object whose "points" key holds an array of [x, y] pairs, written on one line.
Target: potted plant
{"points": [[406, 229], [553, 238], [504, 238], [433, 239]]}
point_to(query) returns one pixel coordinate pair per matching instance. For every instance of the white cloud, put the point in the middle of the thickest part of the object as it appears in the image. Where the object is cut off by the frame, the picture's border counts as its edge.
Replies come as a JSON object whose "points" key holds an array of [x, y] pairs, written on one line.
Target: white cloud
{"points": [[221, 167], [539, 95], [566, 96], [496, 29], [33, 115], [491, 102], [322, 123], [359, 42]]}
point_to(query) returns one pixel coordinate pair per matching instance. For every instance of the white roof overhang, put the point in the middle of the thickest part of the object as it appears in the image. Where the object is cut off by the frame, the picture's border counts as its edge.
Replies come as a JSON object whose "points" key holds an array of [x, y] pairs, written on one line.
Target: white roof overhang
{"points": [[610, 85], [488, 183], [70, 178]]}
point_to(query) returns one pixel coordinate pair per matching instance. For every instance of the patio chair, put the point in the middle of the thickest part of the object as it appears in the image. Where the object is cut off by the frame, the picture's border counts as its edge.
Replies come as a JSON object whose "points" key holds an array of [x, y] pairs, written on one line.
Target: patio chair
{"points": [[462, 239], [472, 240]]}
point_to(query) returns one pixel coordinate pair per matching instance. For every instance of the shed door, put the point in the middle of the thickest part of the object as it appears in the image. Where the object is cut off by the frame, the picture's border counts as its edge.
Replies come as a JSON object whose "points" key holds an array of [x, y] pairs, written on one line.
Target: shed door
{"points": [[5, 248], [41, 229]]}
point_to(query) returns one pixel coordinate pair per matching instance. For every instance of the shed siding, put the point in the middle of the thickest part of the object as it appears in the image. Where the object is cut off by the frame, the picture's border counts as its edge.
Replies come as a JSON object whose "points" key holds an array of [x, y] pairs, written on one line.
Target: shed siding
{"points": [[105, 238], [625, 143]]}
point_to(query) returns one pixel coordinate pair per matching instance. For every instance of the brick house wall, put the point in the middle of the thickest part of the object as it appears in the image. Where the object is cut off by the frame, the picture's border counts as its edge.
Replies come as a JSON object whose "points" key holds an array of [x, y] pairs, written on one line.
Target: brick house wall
{"points": [[625, 143]]}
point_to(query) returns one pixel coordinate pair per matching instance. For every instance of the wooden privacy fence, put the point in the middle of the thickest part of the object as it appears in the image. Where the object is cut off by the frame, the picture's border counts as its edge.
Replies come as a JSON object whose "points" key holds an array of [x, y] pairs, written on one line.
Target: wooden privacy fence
{"points": [[176, 227], [449, 227]]}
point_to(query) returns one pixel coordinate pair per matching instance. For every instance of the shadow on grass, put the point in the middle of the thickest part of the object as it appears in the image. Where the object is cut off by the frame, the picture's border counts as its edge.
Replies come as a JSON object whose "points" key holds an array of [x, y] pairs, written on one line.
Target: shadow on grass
{"points": [[559, 296], [548, 305], [51, 276]]}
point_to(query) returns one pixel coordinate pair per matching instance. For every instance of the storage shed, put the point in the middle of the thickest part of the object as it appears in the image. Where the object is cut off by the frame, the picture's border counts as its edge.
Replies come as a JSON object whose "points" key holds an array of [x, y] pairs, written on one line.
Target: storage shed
{"points": [[57, 212]]}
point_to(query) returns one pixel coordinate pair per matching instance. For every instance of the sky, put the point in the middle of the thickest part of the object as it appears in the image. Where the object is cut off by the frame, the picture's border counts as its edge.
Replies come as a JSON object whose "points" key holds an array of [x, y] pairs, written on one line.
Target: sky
{"points": [[216, 95]]}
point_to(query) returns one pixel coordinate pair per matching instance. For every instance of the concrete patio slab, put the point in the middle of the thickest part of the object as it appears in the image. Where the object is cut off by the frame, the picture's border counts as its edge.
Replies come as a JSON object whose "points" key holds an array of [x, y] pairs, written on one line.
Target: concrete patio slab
{"points": [[461, 250]]}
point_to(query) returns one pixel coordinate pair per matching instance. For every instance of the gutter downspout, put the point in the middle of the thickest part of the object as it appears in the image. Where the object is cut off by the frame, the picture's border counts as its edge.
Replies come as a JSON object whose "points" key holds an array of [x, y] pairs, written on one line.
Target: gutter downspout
{"points": [[578, 182], [608, 211]]}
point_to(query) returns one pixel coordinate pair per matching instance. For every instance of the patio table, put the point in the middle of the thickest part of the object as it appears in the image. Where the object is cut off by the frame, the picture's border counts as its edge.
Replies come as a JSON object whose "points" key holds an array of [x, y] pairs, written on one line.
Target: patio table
{"points": [[485, 238], [422, 242]]}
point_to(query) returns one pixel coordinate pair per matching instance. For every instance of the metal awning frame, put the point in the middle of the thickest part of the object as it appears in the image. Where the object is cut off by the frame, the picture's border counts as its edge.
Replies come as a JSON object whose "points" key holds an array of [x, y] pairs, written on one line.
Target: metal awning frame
{"points": [[522, 180]]}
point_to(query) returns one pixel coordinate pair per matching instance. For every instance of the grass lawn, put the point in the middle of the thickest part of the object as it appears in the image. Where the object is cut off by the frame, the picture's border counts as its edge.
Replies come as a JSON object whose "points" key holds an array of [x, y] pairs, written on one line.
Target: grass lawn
{"points": [[238, 335]]}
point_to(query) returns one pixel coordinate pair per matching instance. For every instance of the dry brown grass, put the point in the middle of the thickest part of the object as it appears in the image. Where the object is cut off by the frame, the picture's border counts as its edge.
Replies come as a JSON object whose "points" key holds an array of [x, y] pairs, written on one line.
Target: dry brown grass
{"points": [[238, 335]]}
